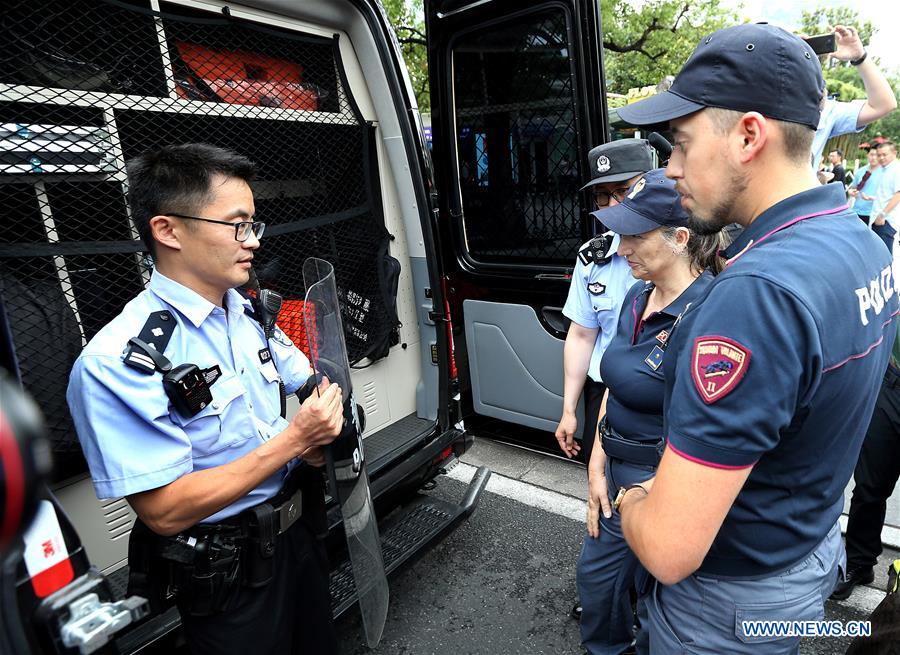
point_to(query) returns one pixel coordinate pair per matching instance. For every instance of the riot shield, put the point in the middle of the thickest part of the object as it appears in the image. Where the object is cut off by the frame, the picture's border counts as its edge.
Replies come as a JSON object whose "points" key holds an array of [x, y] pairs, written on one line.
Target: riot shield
{"points": [[345, 456]]}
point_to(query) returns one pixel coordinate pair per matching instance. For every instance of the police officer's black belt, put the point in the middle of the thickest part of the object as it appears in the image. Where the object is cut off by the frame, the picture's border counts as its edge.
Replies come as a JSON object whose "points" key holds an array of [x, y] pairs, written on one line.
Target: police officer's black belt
{"points": [[633, 452], [283, 514]]}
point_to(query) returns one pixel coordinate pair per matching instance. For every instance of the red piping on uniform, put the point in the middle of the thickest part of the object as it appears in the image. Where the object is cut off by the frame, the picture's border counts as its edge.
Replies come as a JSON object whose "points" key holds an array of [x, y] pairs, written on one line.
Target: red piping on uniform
{"points": [[11, 461], [786, 225], [868, 350], [697, 460], [637, 325]]}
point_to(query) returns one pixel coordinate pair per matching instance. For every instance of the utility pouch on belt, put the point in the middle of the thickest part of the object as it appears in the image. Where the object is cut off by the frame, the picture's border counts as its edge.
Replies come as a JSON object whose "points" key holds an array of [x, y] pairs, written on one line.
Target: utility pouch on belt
{"points": [[206, 587], [260, 529], [148, 575]]}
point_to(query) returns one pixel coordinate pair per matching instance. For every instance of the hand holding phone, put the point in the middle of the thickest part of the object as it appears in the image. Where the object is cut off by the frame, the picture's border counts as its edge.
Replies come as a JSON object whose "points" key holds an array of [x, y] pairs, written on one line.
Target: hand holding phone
{"points": [[822, 44]]}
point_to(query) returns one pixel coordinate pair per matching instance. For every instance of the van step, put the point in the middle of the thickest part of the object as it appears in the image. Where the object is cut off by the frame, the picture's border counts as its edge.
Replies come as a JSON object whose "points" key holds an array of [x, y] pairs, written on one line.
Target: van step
{"points": [[403, 536], [410, 532]]}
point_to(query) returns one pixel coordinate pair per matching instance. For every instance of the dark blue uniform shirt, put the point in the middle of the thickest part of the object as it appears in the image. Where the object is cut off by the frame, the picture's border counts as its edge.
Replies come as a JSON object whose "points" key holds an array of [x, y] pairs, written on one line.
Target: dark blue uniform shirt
{"points": [[777, 366], [632, 366]]}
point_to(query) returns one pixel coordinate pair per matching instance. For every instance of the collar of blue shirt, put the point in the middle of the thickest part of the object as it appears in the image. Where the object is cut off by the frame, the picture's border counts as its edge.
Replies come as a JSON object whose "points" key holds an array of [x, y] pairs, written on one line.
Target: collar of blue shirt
{"points": [[191, 304], [677, 306], [822, 199]]}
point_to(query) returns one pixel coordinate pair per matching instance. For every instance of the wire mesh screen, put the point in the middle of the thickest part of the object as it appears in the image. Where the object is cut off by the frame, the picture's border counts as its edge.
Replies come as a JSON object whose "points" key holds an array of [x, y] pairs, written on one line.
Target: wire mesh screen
{"points": [[517, 142], [87, 84]]}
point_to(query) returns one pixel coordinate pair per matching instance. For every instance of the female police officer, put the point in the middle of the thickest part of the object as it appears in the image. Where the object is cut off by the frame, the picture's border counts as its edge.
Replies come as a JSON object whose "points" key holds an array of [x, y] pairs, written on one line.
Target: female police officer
{"points": [[673, 263]]}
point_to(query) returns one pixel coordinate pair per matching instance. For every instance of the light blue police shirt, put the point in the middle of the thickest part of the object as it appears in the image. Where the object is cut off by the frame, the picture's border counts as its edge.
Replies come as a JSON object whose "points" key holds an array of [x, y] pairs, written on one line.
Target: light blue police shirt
{"points": [[595, 300], [862, 206], [837, 118], [132, 437]]}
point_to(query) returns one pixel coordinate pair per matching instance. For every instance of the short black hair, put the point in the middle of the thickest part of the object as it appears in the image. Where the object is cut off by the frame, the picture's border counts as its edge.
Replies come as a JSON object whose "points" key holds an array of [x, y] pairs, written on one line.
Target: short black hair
{"points": [[177, 179], [838, 151], [887, 144]]}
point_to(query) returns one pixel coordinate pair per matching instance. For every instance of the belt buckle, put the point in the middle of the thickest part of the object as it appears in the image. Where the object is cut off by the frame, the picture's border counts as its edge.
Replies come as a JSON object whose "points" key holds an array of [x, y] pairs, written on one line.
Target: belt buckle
{"points": [[289, 511]]}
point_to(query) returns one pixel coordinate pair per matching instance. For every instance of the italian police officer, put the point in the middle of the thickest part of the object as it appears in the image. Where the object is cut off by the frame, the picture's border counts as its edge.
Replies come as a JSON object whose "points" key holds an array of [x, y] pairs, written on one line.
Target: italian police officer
{"points": [[178, 406], [772, 373], [600, 280]]}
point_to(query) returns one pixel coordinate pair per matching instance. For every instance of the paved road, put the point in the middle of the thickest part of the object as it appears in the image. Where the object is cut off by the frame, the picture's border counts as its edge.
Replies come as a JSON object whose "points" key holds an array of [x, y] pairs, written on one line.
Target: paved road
{"points": [[503, 582]]}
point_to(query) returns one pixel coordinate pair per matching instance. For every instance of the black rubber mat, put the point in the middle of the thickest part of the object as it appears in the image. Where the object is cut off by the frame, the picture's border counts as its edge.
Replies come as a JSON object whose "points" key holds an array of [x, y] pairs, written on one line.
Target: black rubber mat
{"points": [[406, 535], [390, 442]]}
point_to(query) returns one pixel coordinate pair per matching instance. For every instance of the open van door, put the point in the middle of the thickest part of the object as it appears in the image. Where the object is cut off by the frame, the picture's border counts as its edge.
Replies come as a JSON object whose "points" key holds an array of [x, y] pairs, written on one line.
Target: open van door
{"points": [[518, 99]]}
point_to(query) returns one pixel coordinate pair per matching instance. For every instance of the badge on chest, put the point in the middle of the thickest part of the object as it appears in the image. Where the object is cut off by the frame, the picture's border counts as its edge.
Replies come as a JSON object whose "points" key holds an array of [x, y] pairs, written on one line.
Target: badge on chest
{"points": [[596, 288], [655, 358]]}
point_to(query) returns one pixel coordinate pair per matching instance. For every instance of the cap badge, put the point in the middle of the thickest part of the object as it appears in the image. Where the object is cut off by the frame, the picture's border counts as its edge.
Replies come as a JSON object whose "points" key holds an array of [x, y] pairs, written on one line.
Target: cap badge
{"points": [[717, 366], [641, 183], [603, 164]]}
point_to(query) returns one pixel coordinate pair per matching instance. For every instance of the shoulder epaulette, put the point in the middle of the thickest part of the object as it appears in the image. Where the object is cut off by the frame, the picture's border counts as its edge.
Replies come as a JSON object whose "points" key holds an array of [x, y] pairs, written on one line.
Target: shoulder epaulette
{"points": [[157, 332], [597, 250]]}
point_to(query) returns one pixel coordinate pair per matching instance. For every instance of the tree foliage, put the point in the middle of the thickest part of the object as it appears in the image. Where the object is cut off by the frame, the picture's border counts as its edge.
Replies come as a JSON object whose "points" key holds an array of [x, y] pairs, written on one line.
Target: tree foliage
{"points": [[408, 20], [643, 45], [645, 42]]}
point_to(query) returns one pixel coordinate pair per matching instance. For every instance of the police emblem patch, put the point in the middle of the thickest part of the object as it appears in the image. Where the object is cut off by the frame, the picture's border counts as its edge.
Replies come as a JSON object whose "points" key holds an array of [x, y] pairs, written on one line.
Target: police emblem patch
{"points": [[717, 366], [596, 288], [603, 164]]}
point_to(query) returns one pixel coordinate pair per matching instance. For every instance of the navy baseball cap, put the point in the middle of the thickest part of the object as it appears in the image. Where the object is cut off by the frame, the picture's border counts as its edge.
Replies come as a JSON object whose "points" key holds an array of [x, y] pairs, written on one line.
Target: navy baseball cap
{"points": [[618, 161], [651, 202], [753, 67]]}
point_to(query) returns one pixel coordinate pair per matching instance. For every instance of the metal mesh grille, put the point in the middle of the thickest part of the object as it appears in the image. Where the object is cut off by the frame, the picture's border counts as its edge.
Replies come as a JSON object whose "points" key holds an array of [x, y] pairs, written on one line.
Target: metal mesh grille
{"points": [[517, 142], [87, 84]]}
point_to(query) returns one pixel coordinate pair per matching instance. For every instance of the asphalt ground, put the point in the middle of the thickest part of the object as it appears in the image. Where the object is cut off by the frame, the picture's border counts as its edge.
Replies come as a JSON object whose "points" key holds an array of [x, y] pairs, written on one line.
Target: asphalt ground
{"points": [[504, 581]]}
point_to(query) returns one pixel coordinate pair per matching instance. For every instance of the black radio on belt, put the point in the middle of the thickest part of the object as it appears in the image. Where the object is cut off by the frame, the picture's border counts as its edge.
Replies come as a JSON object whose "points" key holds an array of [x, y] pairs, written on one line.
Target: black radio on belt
{"points": [[185, 385]]}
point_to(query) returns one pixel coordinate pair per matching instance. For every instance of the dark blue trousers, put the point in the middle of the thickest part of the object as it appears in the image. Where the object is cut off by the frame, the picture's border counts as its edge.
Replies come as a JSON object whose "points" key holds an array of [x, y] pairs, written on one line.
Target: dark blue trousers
{"points": [[606, 574]]}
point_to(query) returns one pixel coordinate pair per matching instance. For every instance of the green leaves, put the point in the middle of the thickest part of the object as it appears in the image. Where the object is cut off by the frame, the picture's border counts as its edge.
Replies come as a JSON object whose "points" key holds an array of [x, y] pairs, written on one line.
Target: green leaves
{"points": [[644, 45]]}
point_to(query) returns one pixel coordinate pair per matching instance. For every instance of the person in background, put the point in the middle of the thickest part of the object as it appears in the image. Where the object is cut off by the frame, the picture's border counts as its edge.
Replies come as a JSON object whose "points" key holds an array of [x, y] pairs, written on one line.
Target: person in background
{"points": [[886, 204], [865, 181], [836, 157], [845, 117], [875, 477]]}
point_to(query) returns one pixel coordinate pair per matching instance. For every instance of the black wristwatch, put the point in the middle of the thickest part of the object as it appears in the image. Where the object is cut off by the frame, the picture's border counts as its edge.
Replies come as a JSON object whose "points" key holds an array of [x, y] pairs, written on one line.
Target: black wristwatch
{"points": [[857, 62]]}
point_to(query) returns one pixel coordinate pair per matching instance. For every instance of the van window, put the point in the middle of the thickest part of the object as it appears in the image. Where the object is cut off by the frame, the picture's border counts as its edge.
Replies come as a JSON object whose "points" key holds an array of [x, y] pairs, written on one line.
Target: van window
{"points": [[516, 140]]}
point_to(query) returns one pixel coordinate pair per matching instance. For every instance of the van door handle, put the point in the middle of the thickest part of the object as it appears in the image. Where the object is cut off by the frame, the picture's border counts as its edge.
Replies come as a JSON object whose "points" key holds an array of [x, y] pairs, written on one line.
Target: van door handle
{"points": [[564, 277]]}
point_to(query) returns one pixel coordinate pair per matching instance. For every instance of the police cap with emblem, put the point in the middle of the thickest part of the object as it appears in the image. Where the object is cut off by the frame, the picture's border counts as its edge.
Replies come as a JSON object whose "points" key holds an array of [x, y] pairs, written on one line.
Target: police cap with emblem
{"points": [[756, 67], [619, 161], [651, 202]]}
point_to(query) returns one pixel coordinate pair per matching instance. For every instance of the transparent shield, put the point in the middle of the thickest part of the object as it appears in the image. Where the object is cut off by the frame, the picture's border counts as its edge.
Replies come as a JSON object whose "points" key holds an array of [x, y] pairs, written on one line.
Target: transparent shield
{"points": [[345, 456]]}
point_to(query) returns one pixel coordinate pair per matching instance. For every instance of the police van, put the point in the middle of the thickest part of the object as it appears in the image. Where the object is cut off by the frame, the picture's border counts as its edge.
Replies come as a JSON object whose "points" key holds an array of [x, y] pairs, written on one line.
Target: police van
{"points": [[451, 265]]}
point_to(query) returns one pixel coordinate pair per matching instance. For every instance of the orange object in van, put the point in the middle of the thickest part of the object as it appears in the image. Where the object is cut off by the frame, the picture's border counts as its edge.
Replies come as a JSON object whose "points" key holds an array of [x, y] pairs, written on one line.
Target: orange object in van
{"points": [[247, 78]]}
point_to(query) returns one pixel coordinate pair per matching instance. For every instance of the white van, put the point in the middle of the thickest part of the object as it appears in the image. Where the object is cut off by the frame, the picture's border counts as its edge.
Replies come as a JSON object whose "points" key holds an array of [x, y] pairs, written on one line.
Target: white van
{"points": [[452, 274]]}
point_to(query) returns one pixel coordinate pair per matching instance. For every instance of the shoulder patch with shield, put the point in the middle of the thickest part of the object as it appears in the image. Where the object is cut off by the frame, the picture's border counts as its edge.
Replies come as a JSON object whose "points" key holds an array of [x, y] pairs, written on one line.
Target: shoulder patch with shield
{"points": [[717, 366]]}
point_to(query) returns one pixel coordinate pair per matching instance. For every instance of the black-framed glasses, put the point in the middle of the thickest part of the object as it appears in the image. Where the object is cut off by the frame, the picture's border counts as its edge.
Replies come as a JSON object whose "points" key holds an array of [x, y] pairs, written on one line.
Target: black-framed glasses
{"points": [[242, 229], [602, 198]]}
